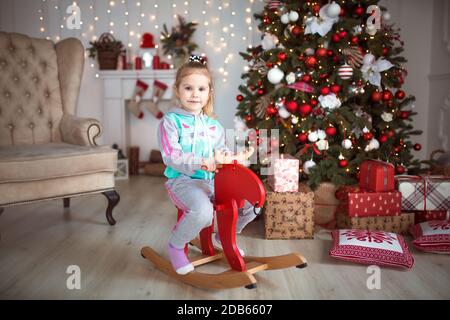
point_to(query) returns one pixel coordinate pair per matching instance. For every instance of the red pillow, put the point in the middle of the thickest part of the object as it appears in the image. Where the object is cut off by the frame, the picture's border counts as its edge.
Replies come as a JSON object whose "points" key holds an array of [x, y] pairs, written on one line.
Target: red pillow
{"points": [[371, 247], [432, 236]]}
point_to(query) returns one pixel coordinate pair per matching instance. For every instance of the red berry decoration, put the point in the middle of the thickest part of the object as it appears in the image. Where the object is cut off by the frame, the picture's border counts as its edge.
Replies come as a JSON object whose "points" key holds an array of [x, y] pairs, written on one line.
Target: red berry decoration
{"points": [[260, 92], [400, 169], [398, 149], [391, 133], [305, 109], [417, 147], [316, 8], [239, 97], [266, 20], [400, 94], [330, 53], [271, 110], [282, 56], [303, 137], [292, 106], [311, 62], [325, 91], [269, 65], [376, 96], [387, 95], [335, 88], [321, 52], [330, 131], [359, 11], [343, 163]]}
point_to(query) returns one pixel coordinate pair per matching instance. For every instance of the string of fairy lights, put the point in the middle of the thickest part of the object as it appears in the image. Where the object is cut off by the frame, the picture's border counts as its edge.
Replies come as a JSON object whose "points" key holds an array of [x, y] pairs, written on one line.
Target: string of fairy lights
{"points": [[216, 19]]}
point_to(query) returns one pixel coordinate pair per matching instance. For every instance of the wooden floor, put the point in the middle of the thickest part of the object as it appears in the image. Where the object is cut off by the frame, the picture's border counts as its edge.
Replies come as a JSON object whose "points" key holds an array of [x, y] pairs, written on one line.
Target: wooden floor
{"points": [[39, 241]]}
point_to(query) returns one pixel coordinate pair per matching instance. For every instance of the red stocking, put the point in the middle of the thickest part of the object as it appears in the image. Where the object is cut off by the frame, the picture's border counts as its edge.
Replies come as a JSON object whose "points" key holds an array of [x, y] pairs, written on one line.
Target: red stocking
{"points": [[134, 103], [159, 89]]}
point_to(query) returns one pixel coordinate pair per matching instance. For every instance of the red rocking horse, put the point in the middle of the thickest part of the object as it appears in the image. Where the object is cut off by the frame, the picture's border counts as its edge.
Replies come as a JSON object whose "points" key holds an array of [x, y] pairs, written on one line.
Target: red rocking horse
{"points": [[233, 185]]}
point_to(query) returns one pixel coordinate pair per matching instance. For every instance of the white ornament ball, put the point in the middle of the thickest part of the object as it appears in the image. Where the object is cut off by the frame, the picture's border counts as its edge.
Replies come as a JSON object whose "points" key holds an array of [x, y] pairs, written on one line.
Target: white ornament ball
{"points": [[333, 10], [285, 18], [374, 144], [321, 134], [313, 136], [346, 144], [345, 72], [308, 165], [386, 16], [309, 51], [293, 16], [275, 75], [294, 120], [284, 113]]}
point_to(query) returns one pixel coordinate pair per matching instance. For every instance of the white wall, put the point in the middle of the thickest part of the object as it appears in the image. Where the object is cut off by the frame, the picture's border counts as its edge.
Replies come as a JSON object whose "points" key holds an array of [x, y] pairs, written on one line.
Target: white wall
{"points": [[421, 24]]}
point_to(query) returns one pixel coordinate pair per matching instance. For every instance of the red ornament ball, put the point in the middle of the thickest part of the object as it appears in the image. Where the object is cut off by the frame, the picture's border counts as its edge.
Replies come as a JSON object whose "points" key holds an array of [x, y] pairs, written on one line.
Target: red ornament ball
{"points": [[354, 40], [400, 94], [343, 163], [398, 149], [336, 37], [335, 88], [385, 51], [310, 61], [248, 118], [313, 102], [383, 138], [359, 11], [404, 115], [239, 97], [260, 91], [321, 52], [271, 110], [302, 137], [387, 95], [368, 136], [305, 109], [306, 78], [282, 56], [269, 65], [330, 131], [266, 20], [400, 169], [343, 34], [330, 53], [417, 147], [391, 133], [292, 106], [324, 91], [376, 96], [297, 30]]}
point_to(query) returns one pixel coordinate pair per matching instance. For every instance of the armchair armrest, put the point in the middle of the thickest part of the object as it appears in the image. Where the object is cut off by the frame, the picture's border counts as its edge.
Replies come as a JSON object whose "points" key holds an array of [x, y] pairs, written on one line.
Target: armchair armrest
{"points": [[80, 131]]}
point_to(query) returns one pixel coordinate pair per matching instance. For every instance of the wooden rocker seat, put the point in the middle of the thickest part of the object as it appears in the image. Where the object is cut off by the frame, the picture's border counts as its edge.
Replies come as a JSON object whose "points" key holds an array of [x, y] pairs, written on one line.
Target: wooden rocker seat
{"points": [[228, 198]]}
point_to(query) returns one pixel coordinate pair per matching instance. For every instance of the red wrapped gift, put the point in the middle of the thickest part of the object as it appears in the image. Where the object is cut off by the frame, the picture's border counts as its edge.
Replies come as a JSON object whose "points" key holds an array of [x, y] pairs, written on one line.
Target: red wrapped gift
{"points": [[364, 203], [377, 176], [422, 216]]}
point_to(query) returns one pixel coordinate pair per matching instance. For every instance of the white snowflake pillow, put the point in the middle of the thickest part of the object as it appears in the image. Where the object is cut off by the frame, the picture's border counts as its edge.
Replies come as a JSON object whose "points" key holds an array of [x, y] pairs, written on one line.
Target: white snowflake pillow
{"points": [[432, 236], [371, 247]]}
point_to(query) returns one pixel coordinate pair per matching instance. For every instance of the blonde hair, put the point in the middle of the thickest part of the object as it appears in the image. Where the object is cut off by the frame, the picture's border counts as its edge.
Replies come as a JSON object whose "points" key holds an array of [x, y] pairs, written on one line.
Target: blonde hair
{"points": [[197, 67]]}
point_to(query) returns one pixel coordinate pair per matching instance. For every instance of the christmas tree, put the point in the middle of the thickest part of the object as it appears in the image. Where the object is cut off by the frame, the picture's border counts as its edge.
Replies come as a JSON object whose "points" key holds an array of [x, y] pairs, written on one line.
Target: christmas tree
{"points": [[329, 77]]}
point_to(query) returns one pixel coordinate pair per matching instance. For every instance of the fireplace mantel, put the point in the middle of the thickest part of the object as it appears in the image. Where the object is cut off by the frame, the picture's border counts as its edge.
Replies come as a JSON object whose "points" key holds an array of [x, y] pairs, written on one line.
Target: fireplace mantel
{"points": [[118, 87]]}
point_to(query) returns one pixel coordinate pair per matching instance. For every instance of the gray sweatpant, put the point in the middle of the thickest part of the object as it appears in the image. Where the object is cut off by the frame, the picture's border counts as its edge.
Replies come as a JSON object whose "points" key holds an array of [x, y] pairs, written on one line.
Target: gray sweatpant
{"points": [[194, 197]]}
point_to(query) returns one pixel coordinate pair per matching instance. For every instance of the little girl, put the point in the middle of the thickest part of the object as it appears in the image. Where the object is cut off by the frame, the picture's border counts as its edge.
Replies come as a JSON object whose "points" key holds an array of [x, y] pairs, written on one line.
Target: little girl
{"points": [[189, 138]]}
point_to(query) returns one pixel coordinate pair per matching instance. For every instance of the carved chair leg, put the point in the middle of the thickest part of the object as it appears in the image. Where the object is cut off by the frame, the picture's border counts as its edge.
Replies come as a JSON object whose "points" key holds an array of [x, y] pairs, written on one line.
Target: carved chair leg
{"points": [[113, 199], [66, 202]]}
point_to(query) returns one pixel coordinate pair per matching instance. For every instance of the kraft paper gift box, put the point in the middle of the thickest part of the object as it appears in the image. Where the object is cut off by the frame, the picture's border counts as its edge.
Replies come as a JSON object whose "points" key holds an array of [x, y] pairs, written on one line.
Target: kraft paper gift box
{"points": [[325, 205], [424, 193], [285, 177], [396, 224], [362, 203], [377, 176], [289, 215]]}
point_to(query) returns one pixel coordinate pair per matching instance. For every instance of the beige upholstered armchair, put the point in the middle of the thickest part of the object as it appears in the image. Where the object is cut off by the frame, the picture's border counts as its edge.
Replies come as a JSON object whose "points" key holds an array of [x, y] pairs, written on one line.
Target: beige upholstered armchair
{"points": [[46, 152]]}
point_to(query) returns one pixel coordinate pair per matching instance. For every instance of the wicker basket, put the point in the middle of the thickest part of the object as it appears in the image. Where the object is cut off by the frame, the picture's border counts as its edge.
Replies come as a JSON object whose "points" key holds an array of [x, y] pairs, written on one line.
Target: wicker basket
{"points": [[108, 52]]}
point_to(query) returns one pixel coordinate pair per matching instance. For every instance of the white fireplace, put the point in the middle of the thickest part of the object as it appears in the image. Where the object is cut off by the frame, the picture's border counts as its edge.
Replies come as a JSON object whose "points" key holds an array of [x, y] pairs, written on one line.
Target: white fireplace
{"points": [[120, 125]]}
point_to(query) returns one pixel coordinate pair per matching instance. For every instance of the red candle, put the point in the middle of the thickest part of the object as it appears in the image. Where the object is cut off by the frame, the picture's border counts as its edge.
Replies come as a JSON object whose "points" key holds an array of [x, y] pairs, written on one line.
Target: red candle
{"points": [[156, 62], [138, 63]]}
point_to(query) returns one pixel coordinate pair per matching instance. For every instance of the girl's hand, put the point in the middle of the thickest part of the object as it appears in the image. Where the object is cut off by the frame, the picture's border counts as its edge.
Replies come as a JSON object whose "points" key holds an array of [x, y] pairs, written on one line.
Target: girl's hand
{"points": [[240, 157], [208, 164]]}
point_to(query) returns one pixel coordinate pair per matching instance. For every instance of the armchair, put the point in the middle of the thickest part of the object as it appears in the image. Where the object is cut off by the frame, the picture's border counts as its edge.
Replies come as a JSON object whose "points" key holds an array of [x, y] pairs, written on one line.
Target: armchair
{"points": [[46, 152]]}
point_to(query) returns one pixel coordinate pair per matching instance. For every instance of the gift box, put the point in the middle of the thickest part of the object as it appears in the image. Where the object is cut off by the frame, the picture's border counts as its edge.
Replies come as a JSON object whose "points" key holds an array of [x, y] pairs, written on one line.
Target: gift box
{"points": [[285, 174], [362, 203], [377, 176], [396, 224], [289, 215], [422, 216], [325, 205], [424, 193]]}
